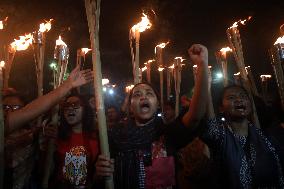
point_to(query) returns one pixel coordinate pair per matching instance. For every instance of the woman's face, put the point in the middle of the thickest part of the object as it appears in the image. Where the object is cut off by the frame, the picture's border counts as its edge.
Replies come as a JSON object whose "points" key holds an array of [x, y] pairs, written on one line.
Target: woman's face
{"points": [[73, 111], [143, 103], [236, 103]]}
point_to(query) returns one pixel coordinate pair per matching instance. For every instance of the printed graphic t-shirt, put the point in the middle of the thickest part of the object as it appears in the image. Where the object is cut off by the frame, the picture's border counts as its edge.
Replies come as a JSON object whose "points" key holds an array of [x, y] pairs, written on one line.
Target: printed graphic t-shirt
{"points": [[76, 158]]}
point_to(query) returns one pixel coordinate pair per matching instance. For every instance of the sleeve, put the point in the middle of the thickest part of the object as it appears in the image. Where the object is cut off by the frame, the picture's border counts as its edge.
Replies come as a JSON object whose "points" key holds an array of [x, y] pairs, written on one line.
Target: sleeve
{"points": [[214, 133]]}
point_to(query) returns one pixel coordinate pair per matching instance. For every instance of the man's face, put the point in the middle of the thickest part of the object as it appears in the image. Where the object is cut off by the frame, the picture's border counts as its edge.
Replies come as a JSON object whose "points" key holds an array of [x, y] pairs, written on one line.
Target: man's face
{"points": [[112, 114]]}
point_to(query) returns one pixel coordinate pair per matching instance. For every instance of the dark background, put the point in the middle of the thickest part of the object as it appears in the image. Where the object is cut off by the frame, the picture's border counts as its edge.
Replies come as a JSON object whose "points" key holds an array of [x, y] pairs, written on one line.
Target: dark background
{"points": [[182, 22]]}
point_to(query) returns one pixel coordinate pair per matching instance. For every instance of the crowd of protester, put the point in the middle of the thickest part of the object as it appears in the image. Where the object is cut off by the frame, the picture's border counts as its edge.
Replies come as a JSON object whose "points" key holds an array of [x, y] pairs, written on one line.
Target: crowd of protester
{"points": [[196, 149]]}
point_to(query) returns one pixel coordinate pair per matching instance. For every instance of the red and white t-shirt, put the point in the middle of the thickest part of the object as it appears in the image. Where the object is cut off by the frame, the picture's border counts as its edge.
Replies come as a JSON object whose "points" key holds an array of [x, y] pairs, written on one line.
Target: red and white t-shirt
{"points": [[76, 157]]}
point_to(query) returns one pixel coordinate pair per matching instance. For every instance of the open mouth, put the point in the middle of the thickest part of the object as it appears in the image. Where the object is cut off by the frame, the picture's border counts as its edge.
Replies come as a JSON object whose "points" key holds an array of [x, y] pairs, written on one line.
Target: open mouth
{"points": [[71, 114], [240, 108], [145, 106]]}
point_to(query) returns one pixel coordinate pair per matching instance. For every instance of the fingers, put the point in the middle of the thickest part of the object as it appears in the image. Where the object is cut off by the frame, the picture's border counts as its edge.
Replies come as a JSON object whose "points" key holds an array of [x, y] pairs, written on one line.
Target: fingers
{"points": [[104, 166]]}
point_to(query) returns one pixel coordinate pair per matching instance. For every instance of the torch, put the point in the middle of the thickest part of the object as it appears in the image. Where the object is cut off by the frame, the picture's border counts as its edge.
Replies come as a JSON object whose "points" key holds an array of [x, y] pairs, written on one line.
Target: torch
{"points": [[142, 70], [237, 79], [81, 53], [2, 164], [93, 17], [39, 47], [235, 42], [277, 59], [251, 81], [3, 23], [264, 86], [18, 45], [148, 70], [134, 34], [177, 78], [221, 57], [169, 80]]}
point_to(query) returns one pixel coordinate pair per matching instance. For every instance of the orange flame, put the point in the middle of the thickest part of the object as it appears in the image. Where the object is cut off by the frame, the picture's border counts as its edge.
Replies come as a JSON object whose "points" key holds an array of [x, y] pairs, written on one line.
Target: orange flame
{"points": [[280, 40], [239, 73], [23, 43], [194, 66], [235, 25], [172, 66], [149, 61], [143, 25], [85, 50], [128, 88], [265, 76], [224, 50], [160, 69], [45, 27], [181, 59], [144, 68], [59, 42], [162, 45], [2, 64], [2, 23], [105, 81]]}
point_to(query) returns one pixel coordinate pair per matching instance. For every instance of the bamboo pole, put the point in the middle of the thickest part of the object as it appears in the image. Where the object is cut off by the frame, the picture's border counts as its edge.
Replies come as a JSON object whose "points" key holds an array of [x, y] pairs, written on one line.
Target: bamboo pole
{"points": [[234, 39], [136, 63], [9, 57], [169, 80], [177, 77], [252, 81], [93, 17], [2, 129], [222, 60], [148, 72]]}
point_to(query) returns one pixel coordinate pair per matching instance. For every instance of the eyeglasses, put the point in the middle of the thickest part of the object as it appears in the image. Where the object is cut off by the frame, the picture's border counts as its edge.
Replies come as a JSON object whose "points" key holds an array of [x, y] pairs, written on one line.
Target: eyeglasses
{"points": [[11, 107], [73, 105]]}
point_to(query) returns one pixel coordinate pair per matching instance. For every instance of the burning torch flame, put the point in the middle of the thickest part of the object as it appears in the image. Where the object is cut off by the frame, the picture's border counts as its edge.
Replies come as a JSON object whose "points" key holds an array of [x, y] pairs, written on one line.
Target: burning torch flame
{"points": [[59, 42], [280, 40], [105, 81], [45, 27], [2, 23], [2, 64], [128, 88], [143, 25], [149, 61], [225, 50], [23, 43], [265, 76], [181, 59], [144, 68], [85, 50], [160, 69], [162, 45], [237, 73], [235, 25], [172, 66]]}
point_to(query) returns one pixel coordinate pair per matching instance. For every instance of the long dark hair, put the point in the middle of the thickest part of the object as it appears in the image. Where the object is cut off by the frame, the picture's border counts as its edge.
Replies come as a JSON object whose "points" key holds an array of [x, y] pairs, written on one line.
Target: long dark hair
{"points": [[64, 130]]}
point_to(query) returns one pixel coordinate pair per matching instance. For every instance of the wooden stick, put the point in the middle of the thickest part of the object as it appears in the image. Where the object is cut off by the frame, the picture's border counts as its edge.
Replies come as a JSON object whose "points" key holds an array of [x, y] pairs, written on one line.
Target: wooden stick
{"points": [[93, 17], [169, 77], [2, 126], [148, 71], [177, 83], [252, 81], [136, 67], [234, 39], [222, 60]]}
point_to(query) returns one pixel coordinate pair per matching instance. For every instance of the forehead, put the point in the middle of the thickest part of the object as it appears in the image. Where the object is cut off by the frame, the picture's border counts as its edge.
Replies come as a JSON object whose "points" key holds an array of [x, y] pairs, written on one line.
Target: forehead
{"points": [[142, 87], [234, 91], [73, 99], [12, 100]]}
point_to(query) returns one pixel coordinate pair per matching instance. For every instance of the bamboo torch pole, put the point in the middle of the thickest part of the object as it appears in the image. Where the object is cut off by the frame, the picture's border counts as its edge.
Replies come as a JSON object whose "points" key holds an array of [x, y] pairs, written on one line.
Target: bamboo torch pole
{"points": [[169, 80], [2, 164], [252, 81], [93, 17], [221, 57], [234, 39]]}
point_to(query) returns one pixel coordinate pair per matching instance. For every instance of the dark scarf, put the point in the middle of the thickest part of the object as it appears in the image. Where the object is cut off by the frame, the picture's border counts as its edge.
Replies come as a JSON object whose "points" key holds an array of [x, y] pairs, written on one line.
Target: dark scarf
{"points": [[130, 144]]}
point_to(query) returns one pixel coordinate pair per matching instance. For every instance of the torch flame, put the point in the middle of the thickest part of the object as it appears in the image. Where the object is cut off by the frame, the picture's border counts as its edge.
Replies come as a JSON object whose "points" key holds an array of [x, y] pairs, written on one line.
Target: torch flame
{"points": [[85, 50], [23, 43], [143, 25], [194, 66], [59, 42], [105, 81], [149, 61], [45, 27], [128, 88], [172, 66], [160, 69], [181, 59], [2, 64], [144, 68], [280, 40], [2, 23], [265, 76], [224, 50], [162, 45], [237, 73], [235, 25]]}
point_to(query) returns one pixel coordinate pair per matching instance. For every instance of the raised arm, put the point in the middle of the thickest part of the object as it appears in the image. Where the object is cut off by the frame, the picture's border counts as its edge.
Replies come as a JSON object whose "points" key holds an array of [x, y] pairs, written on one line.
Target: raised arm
{"points": [[42, 104], [199, 56]]}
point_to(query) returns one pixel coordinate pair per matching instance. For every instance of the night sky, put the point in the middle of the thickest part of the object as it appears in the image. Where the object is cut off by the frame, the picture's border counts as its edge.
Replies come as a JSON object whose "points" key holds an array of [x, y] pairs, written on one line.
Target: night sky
{"points": [[182, 22]]}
